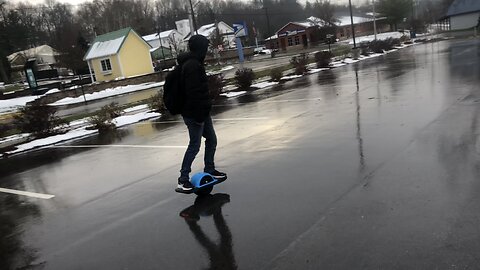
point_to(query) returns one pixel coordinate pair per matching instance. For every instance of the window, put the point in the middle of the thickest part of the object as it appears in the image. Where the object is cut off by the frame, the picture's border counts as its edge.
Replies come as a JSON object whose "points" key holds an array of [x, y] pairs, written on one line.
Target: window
{"points": [[106, 66], [297, 40], [290, 41]]}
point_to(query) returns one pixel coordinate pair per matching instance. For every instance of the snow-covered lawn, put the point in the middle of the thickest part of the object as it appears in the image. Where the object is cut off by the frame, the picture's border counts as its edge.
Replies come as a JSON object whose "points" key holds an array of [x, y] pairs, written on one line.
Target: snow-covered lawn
{"points": [[380, 36], [81, 132], [109, 92], [12, 105]]}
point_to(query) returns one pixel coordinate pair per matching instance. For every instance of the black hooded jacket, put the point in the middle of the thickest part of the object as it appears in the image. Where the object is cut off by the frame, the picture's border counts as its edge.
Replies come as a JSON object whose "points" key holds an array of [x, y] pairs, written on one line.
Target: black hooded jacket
{"points": [[198, 102]]}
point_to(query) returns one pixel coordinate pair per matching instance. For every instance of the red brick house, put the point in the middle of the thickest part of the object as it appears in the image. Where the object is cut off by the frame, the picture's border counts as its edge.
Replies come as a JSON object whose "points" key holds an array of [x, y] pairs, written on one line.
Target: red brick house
{"points": [[363, 26], [296, 35]]}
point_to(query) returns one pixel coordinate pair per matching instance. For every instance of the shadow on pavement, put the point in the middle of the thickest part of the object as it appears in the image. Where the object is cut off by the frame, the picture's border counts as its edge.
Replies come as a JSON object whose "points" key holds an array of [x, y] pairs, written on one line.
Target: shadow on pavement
{"points": [[220, 254]]}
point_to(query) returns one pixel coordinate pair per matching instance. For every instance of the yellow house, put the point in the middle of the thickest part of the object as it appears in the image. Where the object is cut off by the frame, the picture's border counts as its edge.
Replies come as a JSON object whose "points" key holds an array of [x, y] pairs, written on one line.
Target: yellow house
{"points": [[119, 54]]}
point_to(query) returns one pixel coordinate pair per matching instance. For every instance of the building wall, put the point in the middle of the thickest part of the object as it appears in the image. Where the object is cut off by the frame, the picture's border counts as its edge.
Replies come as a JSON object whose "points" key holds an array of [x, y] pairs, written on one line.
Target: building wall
{"points": [[224, 29], [101, 76], [166, 42], [297, 40], [362, 29], [135, 57], [464, 21]]}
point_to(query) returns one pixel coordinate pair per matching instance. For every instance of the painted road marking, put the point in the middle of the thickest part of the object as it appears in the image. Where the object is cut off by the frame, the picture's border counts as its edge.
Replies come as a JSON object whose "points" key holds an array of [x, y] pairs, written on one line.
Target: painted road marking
{"points": [[289, 100], [214, 119], [269, 101], [26, 193], [118, 146]]}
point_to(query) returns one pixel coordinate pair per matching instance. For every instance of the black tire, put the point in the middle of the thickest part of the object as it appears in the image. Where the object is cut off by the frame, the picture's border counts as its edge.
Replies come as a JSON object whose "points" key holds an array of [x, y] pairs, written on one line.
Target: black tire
{"points": [[204, 191]]}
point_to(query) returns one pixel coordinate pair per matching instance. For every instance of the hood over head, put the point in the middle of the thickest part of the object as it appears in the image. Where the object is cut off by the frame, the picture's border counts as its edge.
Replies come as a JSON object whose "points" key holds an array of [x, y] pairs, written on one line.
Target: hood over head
{"points": [[198, 45]]}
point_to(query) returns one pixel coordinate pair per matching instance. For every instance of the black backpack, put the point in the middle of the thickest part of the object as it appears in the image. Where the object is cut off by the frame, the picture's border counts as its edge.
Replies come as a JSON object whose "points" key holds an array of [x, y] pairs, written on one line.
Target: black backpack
{"points": [[173, 91]]}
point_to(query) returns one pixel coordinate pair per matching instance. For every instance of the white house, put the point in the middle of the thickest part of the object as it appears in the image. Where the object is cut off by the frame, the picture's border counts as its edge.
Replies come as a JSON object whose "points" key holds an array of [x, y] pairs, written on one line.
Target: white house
{"points": [[171, 39], [464, 14], [224, 29], [44, 56]]}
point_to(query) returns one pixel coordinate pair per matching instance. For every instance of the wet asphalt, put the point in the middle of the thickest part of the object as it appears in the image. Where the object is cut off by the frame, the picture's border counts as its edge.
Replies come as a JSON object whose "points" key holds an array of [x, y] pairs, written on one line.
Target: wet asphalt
{"points": [[375, 165]]}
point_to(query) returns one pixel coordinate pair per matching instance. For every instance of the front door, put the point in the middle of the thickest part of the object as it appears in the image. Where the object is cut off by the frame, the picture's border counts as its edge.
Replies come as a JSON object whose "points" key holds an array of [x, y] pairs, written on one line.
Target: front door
{"points": [[283, 45]]}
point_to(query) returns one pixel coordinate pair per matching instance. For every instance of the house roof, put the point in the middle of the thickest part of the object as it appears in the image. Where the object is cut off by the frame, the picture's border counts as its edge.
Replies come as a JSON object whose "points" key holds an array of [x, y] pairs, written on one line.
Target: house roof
{"points": [[345, 20], [163, 34], [207, 29], [459, 7], [33, 52], [109, 43], [340, 21]]}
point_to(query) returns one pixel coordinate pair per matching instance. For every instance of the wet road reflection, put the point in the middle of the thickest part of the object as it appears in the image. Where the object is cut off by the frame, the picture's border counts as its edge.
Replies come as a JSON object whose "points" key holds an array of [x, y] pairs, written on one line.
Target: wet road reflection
{"points": [[369, 160], [220, 254], [359, 129], [14, 212]]}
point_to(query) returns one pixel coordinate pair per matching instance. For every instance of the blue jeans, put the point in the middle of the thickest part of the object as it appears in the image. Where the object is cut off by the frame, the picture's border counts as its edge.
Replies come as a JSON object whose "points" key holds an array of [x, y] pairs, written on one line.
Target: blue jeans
{"points": [[196, 131]]}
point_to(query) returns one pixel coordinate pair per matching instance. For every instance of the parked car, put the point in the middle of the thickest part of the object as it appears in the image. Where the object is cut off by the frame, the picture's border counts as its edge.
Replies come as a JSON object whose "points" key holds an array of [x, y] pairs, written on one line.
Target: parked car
{"points": [[258, 50]]}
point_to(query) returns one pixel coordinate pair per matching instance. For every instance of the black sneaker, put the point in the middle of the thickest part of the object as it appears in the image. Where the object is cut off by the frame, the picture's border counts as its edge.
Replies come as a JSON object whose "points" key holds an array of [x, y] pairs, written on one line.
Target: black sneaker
{"points": [[184, 186], [218, 175]]}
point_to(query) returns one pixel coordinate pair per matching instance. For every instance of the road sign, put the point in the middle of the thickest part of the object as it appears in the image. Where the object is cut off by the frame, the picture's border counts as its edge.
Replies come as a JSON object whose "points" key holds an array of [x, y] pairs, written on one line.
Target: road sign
{"points": [[240, 29]]}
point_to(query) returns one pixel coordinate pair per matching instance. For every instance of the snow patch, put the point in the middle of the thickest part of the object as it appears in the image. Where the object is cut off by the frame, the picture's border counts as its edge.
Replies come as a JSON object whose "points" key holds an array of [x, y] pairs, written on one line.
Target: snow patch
{"points": [[11, 105], [227, 68], [73, 134], [316, 70], [338, 64], [290, 77], [134, 118], [14, 137], [350, 61], [381, 36], [81, 132], [233, 94], [136, 108], [264, 84]]}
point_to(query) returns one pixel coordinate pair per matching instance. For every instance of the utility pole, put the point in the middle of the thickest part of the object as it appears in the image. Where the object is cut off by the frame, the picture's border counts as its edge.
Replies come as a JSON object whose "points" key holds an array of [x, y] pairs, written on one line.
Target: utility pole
{"points": [[193, 17], [160, 40], [268, 21], [351, 20], [374, 21]]}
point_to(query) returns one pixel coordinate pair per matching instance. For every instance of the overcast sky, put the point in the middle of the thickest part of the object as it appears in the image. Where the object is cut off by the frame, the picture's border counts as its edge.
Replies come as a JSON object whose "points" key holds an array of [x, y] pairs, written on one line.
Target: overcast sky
{"points": [[76, 2]]}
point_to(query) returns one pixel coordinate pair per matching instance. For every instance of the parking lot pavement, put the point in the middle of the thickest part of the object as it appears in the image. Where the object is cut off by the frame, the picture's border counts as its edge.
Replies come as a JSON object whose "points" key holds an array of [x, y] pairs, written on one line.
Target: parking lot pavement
{"points": [[369, 166]]}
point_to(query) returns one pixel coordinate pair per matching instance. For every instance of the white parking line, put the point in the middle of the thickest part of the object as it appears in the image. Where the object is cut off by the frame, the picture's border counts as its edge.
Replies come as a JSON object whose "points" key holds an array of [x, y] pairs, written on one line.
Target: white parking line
{"points": [[289, 100], [118, 146], [26, 193], [214, 119]]}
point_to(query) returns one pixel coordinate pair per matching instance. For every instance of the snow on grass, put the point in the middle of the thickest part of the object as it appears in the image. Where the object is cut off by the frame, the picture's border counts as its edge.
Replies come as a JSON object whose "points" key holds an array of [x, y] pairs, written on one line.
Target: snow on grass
{"points": [[233, 94], [350, 60], [264, 84], [227, 68], [337, 64], [136, 108], [72, 134], [134, 118], [109, 92], [381, 36], [290, 77], [79, 133], [12, 105], [316, 70], [14, 137]]}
